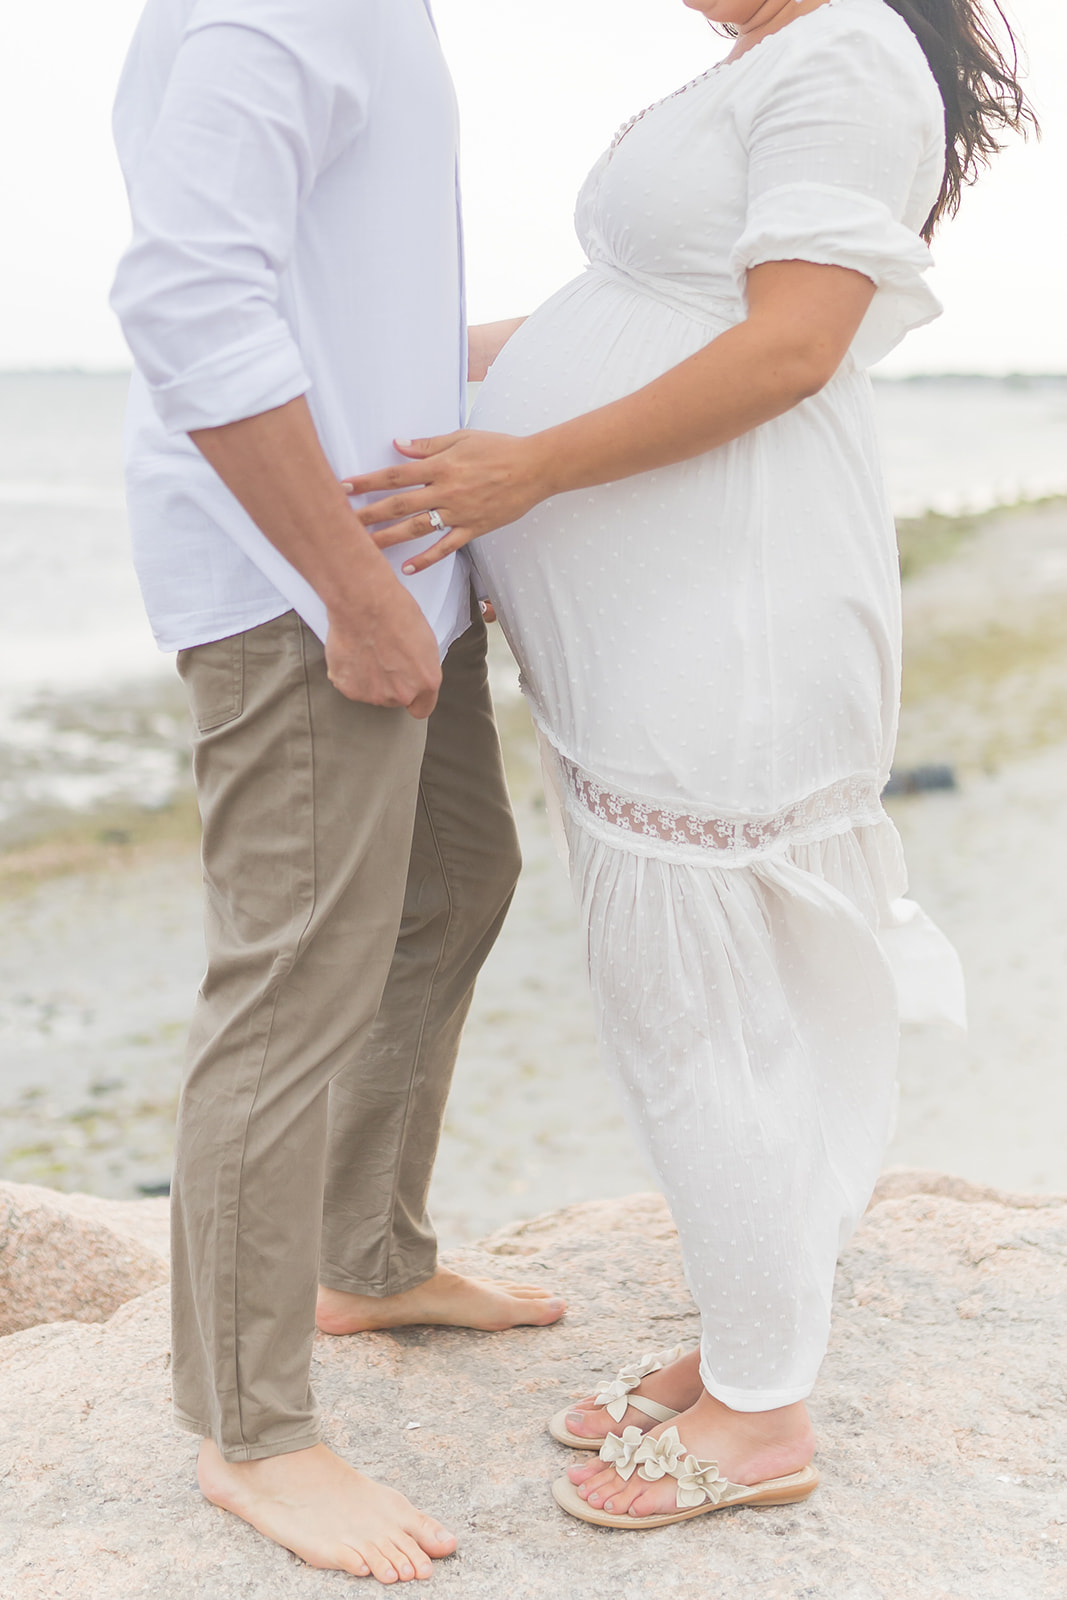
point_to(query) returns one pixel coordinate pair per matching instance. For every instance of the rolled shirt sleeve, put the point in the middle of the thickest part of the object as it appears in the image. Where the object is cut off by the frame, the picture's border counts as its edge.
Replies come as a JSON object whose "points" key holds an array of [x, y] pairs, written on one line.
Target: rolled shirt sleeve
{"points": [[249, 118], [849, 141]]}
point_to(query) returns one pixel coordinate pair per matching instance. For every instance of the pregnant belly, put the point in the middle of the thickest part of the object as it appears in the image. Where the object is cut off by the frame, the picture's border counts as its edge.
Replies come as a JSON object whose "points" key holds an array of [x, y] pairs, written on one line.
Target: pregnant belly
{"points": [[595, 341], [722, 628]]}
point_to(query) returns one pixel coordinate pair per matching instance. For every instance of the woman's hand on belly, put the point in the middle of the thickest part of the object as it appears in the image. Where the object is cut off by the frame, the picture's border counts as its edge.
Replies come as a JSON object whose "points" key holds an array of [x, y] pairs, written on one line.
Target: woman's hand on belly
{"points": [[474, 482], [802, 318]]}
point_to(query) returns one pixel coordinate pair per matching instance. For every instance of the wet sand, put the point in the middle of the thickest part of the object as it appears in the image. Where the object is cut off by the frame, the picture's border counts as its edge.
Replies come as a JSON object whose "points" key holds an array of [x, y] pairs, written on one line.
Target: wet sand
{"points": [[100, 947]]}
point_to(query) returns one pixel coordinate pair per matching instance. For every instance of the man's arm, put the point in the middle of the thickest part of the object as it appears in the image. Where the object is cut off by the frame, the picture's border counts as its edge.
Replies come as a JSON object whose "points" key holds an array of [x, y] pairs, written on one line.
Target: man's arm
{"points": [[249, 115], [380, 648]]}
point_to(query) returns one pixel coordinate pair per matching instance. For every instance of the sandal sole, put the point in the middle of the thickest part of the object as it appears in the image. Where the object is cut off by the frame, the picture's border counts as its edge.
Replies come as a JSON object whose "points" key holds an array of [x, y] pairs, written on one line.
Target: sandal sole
{"points": [[774, 1492]]}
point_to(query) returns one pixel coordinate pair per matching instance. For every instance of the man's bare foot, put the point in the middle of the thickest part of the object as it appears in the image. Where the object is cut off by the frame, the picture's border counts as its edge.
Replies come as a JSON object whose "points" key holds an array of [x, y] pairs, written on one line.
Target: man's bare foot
{"points": [[677, 1385], [749, 1446], [445, 1300], [327, 1513]]}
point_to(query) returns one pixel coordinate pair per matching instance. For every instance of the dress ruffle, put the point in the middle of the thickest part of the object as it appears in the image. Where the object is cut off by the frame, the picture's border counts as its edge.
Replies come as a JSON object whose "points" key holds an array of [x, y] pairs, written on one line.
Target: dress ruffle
{"points": [[841, 838], [838, 227]]}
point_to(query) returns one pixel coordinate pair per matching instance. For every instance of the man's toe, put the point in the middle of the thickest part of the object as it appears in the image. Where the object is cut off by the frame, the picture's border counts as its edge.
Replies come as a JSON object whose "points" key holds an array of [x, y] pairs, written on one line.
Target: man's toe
{"points": [[394, 1552], [413, 1552], [380, 1565], [354, 1561], [434, 1539]]}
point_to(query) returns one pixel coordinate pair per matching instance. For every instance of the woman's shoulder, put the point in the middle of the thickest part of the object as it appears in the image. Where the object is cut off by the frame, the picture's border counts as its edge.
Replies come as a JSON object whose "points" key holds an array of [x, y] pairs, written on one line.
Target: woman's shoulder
{"points": [[855, 46], [859, 33]]}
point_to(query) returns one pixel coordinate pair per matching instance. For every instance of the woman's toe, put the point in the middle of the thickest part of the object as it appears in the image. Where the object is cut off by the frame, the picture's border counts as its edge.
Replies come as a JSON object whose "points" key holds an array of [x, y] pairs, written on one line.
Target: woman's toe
{"points": [[651, 1502], [621, 1499], [602, 1488], [586, 1424]]}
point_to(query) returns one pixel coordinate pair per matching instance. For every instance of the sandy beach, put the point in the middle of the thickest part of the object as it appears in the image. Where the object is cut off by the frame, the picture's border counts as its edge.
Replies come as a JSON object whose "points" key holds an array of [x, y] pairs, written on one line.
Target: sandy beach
{"points": [[101, 952]]}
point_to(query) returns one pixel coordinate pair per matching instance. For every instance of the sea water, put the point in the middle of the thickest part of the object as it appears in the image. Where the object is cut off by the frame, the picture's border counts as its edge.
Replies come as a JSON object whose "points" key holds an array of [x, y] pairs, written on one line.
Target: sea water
{"points": [[88, 711]]}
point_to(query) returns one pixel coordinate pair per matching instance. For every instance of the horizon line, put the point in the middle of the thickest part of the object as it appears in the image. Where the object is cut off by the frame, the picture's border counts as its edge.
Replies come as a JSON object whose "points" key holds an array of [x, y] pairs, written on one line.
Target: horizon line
{"points": [[1014, 374]]}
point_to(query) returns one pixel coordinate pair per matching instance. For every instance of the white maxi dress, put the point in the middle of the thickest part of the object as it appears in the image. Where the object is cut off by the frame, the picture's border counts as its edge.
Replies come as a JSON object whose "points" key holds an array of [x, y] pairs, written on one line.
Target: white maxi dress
{"points": [[711, 652]]}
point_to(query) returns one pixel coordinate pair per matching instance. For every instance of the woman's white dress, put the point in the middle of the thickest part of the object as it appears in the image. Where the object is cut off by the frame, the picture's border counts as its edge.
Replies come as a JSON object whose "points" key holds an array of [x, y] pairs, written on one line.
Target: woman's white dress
{"points": [[711, 652]]}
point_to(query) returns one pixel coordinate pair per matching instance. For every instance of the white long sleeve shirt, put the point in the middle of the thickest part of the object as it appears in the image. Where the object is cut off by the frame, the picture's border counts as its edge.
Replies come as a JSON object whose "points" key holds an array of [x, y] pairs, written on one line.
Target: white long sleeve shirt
{"points": [[291, 166]]}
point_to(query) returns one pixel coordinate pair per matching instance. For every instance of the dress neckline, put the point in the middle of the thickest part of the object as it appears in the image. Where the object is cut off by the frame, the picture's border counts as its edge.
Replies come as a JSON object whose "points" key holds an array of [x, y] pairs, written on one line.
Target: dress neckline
{"points": [[713, 72], [720, 66]]}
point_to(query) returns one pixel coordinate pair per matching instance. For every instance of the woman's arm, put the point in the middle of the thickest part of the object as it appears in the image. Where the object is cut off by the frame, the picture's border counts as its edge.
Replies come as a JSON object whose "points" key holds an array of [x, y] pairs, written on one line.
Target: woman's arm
{"points": [[485, 342], [802, 319]]}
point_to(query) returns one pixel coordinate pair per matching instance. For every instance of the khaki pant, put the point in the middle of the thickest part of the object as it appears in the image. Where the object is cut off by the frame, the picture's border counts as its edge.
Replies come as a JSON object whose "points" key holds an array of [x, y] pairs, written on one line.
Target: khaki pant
{"points": [[357, 866]]}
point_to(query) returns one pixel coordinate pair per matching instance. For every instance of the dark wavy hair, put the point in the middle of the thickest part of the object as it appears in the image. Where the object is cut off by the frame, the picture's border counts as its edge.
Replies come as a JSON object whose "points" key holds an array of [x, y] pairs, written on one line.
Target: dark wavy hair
{"points": [[978, 80]]}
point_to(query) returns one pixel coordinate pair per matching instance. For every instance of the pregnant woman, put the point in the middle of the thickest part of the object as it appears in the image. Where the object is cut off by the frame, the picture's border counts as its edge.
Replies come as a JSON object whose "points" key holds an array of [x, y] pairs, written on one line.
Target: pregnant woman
{"points": [[696, 569]]}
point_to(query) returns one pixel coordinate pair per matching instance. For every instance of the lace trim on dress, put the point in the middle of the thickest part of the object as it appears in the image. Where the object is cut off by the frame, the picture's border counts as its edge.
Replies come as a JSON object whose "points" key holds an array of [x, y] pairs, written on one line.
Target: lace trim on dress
{"points": [[730, 840]]}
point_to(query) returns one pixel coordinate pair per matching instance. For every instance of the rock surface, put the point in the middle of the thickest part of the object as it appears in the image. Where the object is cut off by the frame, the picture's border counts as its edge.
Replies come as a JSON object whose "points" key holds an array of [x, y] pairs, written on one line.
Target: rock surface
{"points": [[941, 1416], [74, 1257]]}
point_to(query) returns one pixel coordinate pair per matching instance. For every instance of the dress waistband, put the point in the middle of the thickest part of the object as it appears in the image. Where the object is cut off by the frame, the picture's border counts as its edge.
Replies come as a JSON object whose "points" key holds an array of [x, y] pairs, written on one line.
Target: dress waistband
{"points": [[713, 311]]}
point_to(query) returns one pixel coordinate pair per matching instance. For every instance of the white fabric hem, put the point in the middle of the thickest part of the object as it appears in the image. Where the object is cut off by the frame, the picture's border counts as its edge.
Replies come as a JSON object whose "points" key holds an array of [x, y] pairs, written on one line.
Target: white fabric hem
{"points": [[751, 1399]]}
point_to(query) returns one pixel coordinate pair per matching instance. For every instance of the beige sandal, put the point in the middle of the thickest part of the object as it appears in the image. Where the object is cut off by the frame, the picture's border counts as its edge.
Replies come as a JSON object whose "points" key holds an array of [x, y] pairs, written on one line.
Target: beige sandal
{"points": [[700, 1488], [617, 1397]]}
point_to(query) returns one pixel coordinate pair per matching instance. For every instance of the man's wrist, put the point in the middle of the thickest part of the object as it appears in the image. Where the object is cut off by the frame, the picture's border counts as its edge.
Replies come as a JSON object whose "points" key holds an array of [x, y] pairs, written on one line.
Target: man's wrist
{"points": [[357, 569]]}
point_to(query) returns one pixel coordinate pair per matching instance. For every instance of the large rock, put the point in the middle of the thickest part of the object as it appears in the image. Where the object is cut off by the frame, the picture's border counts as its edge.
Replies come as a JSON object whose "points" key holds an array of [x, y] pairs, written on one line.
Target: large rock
{"points": [[72, 1256], [940, 1413]]}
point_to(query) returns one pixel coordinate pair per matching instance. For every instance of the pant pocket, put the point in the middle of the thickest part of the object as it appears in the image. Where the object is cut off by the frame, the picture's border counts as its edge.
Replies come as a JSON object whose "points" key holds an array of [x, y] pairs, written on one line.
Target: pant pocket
{"points": [[214, 678]]}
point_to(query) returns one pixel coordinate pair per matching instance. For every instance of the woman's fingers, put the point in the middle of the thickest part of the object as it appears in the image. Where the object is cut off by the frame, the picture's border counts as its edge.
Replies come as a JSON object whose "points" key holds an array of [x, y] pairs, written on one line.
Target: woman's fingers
{"points": [[454, 540], [402, 477], [385, 480], [417, 449], [396, 506], [411, 528], [417, 528]]}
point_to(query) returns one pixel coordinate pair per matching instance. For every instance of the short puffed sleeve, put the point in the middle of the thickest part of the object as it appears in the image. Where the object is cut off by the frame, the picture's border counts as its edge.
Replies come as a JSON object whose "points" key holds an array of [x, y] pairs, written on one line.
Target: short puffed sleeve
{"points": [[846, 154]]}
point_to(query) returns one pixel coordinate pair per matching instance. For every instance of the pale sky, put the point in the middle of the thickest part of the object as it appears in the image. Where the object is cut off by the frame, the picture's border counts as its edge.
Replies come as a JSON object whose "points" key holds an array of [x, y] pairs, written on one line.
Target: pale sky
{"points": [[542, 88]]}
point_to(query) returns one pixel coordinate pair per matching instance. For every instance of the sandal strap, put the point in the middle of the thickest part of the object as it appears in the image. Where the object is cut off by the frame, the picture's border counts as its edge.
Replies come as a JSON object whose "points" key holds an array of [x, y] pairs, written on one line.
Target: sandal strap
{"points": [[652, 1408], [615, 1398]]}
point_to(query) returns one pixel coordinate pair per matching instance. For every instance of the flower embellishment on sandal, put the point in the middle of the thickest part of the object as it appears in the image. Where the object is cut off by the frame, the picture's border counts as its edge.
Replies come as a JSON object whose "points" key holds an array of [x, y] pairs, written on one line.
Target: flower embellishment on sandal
{"points": [[620, 1451], [699, 1481], [615, 1398], [660, 1458], [665, 1457]]}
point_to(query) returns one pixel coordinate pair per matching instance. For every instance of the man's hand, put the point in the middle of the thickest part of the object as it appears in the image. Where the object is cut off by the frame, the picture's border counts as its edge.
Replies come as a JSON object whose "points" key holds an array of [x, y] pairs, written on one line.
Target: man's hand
{"points": [[381, 650]]}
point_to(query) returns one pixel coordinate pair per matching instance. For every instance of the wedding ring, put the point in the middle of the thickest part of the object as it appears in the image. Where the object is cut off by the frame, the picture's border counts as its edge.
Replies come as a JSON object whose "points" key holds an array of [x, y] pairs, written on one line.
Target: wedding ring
{"points": [[436, 522]]}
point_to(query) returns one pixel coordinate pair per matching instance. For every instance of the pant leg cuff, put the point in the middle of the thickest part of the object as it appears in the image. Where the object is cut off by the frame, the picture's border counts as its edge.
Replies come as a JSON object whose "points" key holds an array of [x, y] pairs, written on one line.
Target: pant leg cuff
{"points": [[248, 1452], [752, 1399], [377, 1289]]}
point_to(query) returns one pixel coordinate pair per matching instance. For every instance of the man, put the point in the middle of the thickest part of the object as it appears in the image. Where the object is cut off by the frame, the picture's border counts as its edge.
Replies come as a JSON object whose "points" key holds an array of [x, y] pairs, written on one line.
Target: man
{"points": [[293, 300]]}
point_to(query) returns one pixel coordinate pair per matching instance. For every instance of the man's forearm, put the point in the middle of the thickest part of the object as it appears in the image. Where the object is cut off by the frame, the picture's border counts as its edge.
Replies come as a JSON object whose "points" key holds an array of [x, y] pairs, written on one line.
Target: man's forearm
{"points": [[275, 466], [380, 647]]}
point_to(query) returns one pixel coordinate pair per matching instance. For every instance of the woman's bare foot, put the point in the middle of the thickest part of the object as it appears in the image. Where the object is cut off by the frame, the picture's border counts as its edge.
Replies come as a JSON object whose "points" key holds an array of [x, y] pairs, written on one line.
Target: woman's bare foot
{"points": [[327, 1513], [445, 1300], [677, 1386], [749, 1446]]}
